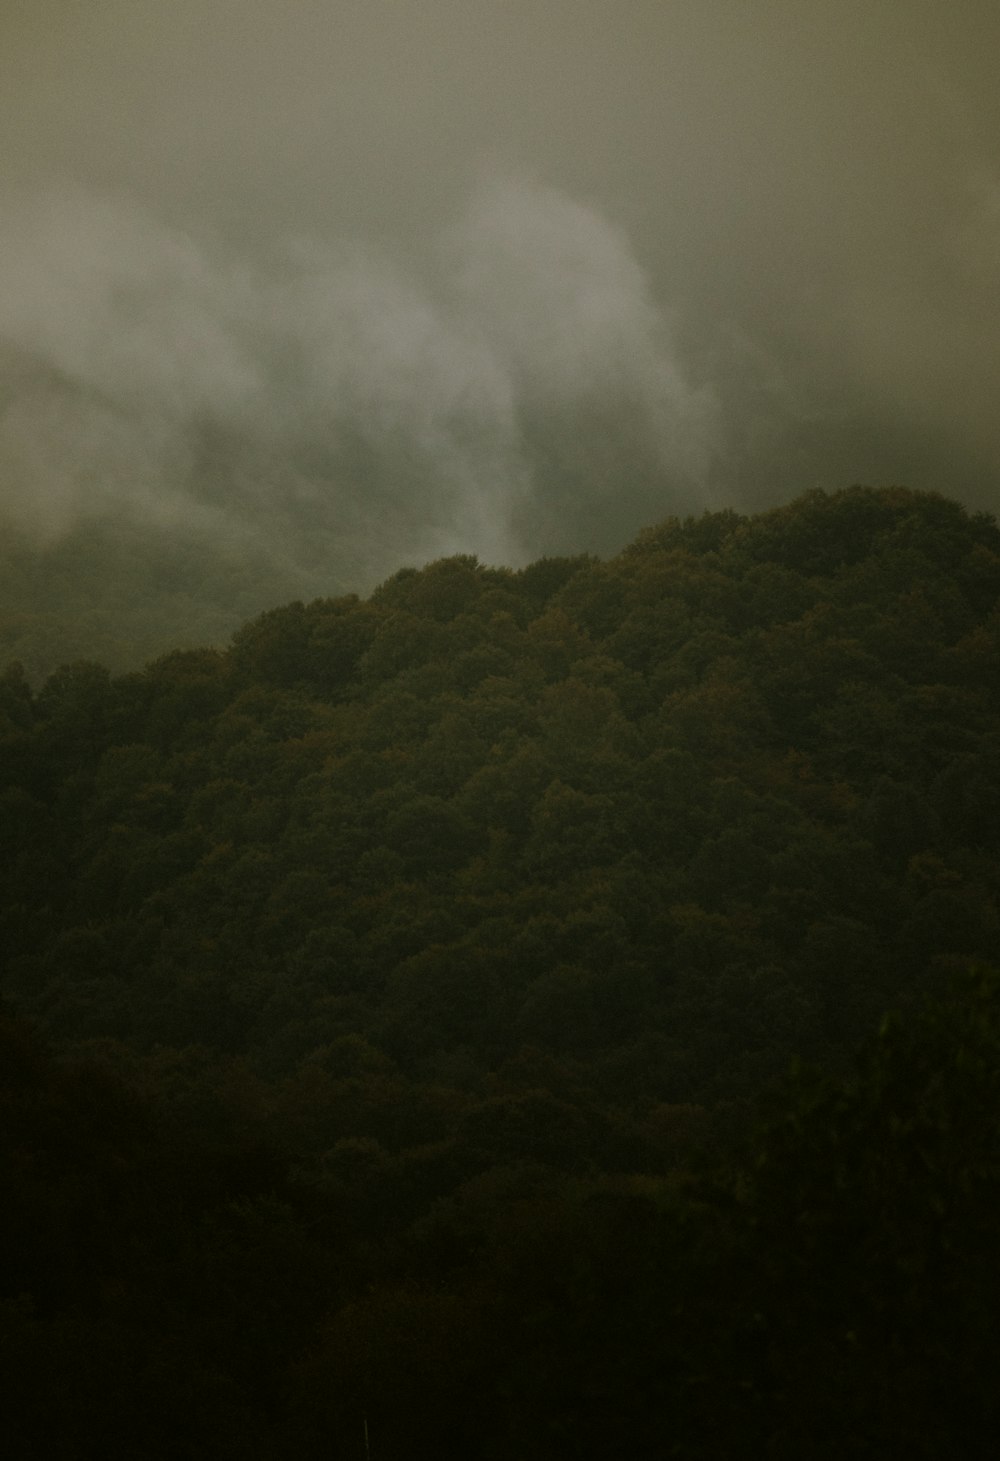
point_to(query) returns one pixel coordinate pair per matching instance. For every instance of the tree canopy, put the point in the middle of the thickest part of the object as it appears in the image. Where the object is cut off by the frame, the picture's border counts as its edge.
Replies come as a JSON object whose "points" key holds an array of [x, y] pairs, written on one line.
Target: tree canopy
{"points": [[436, 949]]}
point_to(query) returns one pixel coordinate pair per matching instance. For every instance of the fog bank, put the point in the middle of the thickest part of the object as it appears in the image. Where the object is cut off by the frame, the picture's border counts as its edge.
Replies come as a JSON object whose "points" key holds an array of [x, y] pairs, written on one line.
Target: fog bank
{"points": [[353, 283]]}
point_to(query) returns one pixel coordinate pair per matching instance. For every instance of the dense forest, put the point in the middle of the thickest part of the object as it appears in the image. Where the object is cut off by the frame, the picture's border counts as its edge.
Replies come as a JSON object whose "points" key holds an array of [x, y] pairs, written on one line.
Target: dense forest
{"points": [[457, 1022]]}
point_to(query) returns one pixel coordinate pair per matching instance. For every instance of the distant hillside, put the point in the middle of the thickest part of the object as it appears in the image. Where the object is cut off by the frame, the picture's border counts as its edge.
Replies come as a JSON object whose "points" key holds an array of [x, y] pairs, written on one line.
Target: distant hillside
{"points": [[123, 593]]}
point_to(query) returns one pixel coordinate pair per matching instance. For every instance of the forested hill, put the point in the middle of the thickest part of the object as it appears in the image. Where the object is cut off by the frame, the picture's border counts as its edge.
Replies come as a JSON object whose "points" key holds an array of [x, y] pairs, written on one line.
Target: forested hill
{"points": [[678, 815], [500, 880]]}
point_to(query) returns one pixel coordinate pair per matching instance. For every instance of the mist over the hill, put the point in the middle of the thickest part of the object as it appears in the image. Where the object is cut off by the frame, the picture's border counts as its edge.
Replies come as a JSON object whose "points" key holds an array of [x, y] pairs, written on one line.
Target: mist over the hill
{"points": [[325, 288], [330, 393]]}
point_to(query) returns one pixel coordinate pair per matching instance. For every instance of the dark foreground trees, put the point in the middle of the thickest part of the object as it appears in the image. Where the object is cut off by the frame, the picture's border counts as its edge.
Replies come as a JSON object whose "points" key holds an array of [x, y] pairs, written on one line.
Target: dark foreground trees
{"points": [[833, 1290]]}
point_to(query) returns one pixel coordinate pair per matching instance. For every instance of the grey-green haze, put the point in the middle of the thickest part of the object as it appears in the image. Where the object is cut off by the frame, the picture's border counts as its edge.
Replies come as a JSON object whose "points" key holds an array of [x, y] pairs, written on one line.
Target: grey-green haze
{"points": [[316, 288]]}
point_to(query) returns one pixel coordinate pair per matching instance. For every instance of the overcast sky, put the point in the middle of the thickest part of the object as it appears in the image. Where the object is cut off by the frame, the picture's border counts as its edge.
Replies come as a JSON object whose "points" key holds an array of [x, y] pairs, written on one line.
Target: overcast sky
{"points": [[505, 276]]}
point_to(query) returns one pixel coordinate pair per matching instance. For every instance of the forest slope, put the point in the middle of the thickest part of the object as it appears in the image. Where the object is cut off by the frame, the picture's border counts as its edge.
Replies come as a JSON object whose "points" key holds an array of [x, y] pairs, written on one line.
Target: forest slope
{"points": [[678, 815], [449, 922]]}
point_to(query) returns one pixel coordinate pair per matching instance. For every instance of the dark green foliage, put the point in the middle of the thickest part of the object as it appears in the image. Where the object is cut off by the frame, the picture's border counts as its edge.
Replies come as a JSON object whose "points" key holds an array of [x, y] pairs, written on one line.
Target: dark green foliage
{"points": [[438, 932], [149, 1283], [876, 1283], [740, 732], [737, 735]]}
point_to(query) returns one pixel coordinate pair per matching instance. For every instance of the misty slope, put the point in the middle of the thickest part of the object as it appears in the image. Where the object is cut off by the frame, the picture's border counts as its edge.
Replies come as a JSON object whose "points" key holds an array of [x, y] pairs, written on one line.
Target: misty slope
{"points": [[122, 593]]}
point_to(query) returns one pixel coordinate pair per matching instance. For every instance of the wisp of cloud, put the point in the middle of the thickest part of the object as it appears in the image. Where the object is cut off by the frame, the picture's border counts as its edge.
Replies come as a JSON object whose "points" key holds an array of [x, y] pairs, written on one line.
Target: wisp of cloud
{"points": [[323, 399]]}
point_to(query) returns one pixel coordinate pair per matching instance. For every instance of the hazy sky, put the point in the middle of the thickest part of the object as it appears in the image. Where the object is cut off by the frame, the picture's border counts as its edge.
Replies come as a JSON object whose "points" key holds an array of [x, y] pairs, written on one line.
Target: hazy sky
{"points": [[505, 276]]}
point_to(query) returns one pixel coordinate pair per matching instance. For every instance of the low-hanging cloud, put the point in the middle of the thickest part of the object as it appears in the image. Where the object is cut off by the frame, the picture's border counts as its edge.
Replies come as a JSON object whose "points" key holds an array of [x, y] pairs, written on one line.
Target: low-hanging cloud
{"points": [[328, 401], [812, 189]]}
